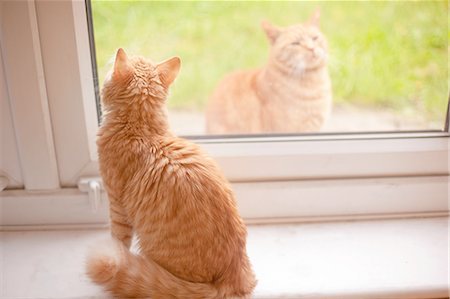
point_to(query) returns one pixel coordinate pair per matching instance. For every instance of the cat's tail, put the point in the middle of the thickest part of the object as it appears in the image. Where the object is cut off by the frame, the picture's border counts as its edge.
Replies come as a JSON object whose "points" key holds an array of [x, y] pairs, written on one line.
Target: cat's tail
{"points": [[126, 275]]}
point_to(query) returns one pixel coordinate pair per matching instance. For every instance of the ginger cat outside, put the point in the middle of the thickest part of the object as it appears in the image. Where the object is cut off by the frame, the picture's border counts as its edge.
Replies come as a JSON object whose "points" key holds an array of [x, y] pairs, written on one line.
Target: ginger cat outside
{"points": [[290, 94], [166, 191]]}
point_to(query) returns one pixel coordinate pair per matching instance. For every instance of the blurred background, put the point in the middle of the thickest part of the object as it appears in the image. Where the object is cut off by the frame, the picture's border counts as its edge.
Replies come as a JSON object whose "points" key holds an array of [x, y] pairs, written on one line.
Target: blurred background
{"points": [[388, 59]]}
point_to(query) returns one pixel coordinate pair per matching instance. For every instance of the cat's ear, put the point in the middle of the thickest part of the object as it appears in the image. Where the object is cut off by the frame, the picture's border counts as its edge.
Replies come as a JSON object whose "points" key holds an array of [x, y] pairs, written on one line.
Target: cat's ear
{"points": [[314, 20], [168, 70], [122, 66], [272, 31]]}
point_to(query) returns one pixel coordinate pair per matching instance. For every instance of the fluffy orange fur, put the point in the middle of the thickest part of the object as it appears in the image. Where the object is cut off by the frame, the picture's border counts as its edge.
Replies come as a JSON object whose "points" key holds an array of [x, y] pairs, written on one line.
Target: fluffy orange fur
{"points": [[291, 94], [167, 192]]}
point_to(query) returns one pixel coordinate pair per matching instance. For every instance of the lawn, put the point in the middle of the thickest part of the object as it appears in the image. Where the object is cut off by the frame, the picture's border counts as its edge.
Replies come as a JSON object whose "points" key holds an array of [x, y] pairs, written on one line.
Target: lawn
{"points": [[386, 55]]}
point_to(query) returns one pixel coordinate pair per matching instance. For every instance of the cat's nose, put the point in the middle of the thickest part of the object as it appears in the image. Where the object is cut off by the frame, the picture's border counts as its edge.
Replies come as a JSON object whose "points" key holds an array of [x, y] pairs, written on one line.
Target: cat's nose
{"points": [[309, 45]]}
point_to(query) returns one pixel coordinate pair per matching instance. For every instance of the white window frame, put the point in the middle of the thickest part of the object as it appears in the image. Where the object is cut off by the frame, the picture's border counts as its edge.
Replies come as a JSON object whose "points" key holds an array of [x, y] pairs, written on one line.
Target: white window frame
{"points": [[290, 178]]}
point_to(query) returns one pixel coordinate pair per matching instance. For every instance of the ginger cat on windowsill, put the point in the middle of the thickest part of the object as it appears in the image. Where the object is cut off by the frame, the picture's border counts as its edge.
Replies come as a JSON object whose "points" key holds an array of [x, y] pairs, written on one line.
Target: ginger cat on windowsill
{"points": [[167, 192], [290, 94]]}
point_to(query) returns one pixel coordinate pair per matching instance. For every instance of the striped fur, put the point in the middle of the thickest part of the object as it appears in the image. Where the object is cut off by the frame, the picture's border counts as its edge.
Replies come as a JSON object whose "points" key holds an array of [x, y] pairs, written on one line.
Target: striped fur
{"points": [[291, 94], [167, 192]]}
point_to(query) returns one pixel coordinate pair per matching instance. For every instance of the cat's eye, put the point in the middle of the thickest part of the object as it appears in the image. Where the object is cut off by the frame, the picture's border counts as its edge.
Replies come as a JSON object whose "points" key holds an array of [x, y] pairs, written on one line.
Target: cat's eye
{"points": [[296, 43]]}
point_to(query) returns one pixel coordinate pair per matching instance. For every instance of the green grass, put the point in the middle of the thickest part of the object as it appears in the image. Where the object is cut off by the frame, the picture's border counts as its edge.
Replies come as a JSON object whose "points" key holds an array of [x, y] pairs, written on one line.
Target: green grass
{"points": [[390, 55]]}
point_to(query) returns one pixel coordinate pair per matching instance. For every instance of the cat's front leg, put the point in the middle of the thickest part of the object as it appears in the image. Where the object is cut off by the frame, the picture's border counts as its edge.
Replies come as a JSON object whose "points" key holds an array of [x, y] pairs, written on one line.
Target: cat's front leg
{"points": [[121, 228]]}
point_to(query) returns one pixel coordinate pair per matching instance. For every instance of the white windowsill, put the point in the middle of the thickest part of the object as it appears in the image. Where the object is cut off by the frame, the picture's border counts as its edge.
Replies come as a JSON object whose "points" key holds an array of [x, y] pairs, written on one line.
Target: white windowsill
{"points": [[403, 258]]}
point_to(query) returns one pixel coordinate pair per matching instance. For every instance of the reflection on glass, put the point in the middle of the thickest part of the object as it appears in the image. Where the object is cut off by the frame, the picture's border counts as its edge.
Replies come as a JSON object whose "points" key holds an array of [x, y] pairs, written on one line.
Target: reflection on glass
{"points": [[273, 67]]}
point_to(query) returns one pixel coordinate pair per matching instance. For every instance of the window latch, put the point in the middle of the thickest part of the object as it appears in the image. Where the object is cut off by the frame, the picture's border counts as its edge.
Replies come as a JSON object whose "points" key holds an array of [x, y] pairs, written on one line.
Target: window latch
{"points": [[93, 186]]}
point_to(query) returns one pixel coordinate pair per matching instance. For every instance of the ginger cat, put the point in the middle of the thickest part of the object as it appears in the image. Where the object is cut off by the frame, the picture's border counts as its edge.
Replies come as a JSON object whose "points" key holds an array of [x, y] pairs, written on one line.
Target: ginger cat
{"points": [[290, 94], [169, 193]]}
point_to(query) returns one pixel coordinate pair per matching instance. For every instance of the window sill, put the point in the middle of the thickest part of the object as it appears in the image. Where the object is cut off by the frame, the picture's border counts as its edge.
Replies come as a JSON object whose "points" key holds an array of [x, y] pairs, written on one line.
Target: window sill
{"points": [[403, 258]]}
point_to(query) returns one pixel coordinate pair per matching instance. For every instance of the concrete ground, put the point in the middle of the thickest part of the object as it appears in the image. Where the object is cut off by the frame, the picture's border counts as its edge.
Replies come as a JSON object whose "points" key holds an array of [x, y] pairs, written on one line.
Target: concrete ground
{"points": [[344, 118]]}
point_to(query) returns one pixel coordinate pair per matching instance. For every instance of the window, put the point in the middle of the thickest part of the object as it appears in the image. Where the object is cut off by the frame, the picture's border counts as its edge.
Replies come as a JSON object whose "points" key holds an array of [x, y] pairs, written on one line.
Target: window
{"points": [[387, 62], [49, 128]]}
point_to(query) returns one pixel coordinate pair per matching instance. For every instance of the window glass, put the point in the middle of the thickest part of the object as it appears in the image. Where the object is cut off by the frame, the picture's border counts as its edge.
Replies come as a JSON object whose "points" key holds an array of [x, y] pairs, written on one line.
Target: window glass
{"points": [[289, 67]]}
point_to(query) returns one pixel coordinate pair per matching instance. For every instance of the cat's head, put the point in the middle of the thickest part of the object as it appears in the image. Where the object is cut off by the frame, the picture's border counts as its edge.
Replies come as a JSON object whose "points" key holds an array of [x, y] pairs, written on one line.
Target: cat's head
{"points": [[136, 80], [299, 47]]}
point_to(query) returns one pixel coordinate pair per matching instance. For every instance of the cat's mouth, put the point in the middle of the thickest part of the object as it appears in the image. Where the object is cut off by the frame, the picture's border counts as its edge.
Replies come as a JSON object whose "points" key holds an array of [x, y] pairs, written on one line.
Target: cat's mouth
{"points": [[317, 58]]}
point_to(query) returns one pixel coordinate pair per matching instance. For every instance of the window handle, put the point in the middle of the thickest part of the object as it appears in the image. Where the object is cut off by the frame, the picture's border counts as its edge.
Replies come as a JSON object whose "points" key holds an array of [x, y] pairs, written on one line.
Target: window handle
{"points": [[93, 186]]}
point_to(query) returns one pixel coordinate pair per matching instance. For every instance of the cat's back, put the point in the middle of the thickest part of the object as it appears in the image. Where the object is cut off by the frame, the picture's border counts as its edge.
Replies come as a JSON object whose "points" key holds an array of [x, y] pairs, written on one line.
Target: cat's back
{"points": [[233, 101], [186, 170], [179, 194]]}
